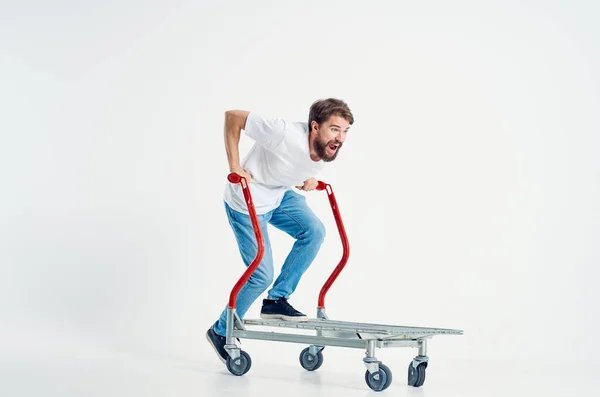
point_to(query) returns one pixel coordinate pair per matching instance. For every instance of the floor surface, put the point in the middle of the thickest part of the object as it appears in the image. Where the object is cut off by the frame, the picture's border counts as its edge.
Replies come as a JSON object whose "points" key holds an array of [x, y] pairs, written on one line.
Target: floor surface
{"points": [[89, 372]]}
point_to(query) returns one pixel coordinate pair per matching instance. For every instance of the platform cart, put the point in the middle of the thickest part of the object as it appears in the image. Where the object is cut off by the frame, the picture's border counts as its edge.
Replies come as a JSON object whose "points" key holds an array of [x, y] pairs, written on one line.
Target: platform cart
{"points": [[326, 332]]}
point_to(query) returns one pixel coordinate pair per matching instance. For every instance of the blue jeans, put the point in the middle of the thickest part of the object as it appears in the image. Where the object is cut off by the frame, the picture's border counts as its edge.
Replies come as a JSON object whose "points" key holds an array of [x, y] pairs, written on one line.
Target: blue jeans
{"points": [[294, 217]]}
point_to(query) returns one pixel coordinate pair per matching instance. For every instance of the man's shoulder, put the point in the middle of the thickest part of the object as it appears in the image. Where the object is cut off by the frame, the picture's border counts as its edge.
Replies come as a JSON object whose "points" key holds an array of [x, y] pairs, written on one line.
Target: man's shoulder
{"points": [[271, 132], [264, 118], [299, 126]]}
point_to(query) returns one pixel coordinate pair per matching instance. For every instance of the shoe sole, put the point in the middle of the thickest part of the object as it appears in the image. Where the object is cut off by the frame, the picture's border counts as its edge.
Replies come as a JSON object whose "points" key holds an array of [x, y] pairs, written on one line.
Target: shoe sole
{"points": [[294, 319], [215, 349]]}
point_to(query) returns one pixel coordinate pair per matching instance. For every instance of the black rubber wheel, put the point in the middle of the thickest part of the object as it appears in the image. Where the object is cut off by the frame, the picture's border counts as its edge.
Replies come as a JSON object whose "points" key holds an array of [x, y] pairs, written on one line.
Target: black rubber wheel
{"points": [[309, 361], [379, 380], [416, 376], [240, 365]]}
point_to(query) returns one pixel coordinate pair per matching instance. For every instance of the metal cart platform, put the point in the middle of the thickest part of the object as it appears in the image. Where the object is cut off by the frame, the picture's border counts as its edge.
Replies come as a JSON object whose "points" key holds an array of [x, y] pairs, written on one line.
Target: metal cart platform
{"points": [[324, 332]]}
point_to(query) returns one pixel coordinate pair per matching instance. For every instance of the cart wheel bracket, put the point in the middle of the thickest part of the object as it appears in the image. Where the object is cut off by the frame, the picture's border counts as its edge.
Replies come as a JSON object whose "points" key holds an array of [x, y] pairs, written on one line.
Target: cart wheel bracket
{"points": [[312, 349], [233, 351], [420, 359], [372, 364]]}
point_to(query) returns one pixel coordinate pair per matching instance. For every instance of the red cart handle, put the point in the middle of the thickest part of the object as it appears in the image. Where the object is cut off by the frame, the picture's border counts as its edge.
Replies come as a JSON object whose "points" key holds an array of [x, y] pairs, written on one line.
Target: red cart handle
{"points": [[345, 244], [236, 178]]}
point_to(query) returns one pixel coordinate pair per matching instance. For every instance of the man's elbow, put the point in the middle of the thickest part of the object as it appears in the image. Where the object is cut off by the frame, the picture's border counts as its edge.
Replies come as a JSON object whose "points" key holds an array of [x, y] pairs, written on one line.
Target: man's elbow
{"points": [[236, 118]]}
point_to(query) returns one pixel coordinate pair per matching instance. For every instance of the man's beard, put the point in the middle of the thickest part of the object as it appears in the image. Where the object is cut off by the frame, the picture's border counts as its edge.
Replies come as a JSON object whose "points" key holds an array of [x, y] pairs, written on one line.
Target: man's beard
{"points": [[321, 149]]}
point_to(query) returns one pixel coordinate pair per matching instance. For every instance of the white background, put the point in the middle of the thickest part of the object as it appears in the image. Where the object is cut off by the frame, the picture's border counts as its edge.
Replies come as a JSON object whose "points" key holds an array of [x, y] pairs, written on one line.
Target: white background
{"points": [[469, 187]]}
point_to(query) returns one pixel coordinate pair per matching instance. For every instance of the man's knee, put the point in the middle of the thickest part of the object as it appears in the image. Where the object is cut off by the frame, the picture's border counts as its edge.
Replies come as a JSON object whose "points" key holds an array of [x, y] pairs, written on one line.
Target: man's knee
{"points": [[262, 276], [316, 231]]}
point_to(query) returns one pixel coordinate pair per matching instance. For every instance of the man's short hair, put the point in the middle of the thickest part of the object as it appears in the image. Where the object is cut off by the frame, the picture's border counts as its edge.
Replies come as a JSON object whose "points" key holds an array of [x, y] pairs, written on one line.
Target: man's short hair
{"points": [[321, 110]]}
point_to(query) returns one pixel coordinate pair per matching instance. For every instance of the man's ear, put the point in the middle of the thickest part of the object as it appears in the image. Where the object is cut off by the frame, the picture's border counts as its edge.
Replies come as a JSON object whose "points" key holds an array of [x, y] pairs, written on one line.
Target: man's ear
{"points": [[314, 126]]}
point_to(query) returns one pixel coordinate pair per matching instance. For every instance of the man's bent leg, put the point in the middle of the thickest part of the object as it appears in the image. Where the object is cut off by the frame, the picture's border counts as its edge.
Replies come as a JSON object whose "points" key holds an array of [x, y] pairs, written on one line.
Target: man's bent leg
{"points": [[262, 276], [295, 218]]}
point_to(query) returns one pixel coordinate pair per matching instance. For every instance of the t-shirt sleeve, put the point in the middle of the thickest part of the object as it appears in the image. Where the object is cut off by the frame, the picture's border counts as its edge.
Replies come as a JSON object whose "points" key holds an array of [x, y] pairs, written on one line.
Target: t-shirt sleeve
{"points": [[267, 132]]}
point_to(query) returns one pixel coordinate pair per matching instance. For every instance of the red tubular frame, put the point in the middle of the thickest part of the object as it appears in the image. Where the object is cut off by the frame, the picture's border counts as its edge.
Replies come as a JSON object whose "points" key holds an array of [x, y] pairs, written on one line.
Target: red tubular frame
{"points": [[236, 178], [345, 244]]}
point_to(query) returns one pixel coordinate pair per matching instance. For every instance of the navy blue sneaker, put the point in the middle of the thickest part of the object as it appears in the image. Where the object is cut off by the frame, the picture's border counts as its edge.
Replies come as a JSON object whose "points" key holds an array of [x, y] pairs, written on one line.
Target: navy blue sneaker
{"points": [[280, 309], [218, 343]]}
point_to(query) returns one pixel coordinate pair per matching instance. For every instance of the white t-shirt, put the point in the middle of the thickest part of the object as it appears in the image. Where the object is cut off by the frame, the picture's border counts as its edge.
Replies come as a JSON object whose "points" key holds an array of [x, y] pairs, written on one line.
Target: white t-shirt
{"points": [[278, 161]]}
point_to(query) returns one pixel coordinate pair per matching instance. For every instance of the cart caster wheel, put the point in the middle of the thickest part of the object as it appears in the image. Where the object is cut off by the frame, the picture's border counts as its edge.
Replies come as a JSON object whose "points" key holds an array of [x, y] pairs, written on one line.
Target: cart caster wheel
{"points": [[379, 380], [240, 365], [416, 376], [309, 361]]}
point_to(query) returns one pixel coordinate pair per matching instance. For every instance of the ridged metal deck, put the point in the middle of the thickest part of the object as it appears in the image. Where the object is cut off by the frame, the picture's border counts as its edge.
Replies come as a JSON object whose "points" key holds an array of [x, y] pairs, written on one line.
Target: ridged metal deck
{"points": [[401, 332]]}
